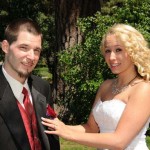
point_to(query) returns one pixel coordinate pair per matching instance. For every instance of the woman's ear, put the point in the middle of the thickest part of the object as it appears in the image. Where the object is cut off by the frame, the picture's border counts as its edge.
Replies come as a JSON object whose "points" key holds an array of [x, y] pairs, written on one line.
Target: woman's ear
{"points": [[5, 46]]}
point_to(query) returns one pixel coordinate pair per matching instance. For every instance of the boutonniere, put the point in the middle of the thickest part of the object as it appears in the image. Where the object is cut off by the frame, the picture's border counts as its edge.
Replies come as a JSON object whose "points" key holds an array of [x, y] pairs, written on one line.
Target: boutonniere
{"points": [[50, 113]]}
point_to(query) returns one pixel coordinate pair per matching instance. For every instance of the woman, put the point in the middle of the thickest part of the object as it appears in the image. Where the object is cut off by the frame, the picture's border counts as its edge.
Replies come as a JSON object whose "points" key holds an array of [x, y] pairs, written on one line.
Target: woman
{"points": [[121, 111]]}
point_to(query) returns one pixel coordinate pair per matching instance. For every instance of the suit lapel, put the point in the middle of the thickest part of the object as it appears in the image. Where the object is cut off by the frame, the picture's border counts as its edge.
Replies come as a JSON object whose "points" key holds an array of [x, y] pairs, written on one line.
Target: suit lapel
{"points": [[39, 102], [9, 111], [11, 115]]}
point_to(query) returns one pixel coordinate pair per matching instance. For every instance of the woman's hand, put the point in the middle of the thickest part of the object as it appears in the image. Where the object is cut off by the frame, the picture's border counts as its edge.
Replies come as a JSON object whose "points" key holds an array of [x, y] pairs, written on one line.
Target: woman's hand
{"points": [[57, 127]]}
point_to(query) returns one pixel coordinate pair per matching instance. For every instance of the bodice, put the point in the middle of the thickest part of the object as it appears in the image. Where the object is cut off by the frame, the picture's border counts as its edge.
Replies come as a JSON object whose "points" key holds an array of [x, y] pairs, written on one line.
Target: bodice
{"points": [[107, 115]]}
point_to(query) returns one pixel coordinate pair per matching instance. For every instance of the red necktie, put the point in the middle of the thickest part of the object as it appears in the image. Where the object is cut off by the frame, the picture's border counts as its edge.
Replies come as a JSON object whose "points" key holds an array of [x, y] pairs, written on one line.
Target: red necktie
{"points": [[35, 142], [27, 103]]}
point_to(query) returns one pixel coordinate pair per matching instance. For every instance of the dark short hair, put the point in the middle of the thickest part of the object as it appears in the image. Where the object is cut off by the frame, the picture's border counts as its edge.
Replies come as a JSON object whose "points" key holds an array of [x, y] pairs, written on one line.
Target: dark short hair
{"points": [[22, 24]]}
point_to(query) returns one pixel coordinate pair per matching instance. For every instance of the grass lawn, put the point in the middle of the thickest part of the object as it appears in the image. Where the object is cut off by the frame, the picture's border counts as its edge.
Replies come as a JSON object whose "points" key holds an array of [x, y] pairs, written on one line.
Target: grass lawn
{"points": [[66, 145], [148, 141]]}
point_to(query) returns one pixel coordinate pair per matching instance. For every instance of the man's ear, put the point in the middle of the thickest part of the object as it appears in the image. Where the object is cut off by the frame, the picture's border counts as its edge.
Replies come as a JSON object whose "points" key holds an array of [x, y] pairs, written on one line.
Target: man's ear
{"points": [[5, 46]]}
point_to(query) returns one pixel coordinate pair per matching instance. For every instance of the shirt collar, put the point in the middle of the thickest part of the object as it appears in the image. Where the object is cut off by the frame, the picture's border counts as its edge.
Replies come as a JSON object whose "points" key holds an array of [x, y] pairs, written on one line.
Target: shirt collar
{"points": [[15, 85]]}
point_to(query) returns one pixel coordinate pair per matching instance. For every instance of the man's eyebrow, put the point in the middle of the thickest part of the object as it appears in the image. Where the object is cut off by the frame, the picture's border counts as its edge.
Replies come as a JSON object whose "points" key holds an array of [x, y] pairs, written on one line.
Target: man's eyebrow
{"points": [[39, 48], [22, 44]]}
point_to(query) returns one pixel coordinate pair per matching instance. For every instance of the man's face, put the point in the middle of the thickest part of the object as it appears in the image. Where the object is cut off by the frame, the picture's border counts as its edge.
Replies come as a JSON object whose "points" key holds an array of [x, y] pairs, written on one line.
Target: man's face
{"points": [[22, 55]]}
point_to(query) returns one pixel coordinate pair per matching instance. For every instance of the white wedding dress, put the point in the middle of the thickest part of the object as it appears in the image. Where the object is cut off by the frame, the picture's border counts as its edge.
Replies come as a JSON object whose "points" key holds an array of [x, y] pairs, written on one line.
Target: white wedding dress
{"points": [[107, 115]]}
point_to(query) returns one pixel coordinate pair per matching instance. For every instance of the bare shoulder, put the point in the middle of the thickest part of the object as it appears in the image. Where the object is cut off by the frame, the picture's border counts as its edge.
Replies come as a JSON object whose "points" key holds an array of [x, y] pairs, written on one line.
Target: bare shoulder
{"points": [[107, 83], [141, 91], [104, 87], [142, 86]]}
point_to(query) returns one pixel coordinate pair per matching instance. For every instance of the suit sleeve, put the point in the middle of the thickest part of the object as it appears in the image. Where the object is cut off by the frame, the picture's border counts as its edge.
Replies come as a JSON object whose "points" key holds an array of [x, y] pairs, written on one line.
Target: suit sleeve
{"points": [[45, 88]]}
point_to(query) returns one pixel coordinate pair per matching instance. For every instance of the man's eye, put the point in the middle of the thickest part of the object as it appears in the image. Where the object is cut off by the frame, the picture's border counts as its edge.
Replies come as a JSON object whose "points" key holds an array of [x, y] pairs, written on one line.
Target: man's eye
{"points": [[37, 51], [23, 48]]}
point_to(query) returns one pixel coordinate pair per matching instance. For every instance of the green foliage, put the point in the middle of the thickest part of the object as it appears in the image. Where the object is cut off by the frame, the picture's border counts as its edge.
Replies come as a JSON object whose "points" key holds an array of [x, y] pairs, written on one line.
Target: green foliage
{"points": [[148, 133], [42, 70], [81, 76], [148, 141], [82, 67]]}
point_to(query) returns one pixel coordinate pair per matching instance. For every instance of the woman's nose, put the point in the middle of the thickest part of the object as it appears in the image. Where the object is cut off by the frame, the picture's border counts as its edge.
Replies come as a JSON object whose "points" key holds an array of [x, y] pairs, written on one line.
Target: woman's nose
{"points": [[112, 56]]}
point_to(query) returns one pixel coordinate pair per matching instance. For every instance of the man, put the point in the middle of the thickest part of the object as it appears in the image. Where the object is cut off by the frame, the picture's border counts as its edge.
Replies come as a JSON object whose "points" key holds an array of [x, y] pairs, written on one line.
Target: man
{"points": [[20, 127]]}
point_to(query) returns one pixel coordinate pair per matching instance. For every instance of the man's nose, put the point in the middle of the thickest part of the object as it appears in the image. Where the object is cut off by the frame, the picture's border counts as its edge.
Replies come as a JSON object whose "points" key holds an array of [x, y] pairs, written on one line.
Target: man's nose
{"points": [[30, 54]]}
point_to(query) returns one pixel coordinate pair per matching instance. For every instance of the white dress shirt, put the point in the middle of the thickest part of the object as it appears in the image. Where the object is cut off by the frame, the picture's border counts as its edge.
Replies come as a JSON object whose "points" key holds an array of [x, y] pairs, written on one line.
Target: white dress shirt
{"points": [[17, 87]]}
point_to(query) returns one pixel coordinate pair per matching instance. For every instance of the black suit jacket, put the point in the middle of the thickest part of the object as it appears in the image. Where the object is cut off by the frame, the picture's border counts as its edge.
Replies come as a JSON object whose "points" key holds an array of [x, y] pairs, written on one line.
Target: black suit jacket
{"points": [[12, 131]]}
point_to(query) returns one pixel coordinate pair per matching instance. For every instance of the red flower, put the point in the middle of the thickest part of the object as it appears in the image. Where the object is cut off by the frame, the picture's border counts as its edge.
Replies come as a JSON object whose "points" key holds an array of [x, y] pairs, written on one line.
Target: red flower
{"points": [[50, 112]]}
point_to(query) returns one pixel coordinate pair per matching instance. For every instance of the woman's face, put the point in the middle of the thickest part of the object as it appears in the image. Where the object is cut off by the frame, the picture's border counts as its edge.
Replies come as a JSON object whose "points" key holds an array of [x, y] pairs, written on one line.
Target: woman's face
{"points": [[116, 56]]}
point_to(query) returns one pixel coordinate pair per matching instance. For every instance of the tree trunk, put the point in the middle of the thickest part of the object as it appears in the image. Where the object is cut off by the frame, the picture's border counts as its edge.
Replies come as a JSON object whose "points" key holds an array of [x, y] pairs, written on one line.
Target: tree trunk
{"points": [[67, 13], [67, 33]]}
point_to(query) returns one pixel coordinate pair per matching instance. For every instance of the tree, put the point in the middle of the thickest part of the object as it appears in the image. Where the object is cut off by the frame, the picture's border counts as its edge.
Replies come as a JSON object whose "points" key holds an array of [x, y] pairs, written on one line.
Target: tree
{"points": [[68, 34], [82, 67]]}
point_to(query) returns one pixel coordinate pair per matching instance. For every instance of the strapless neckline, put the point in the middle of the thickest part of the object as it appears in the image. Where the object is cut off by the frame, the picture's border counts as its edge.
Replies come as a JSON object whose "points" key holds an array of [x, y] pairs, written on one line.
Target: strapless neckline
{"points": [[110, 100]]}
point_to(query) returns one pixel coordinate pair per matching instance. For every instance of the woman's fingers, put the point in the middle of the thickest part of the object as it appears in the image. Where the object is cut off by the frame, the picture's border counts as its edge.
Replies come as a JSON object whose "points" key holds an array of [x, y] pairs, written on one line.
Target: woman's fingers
{"points": [[48, 123], [57, 127], [51, 124], [47, 120]]}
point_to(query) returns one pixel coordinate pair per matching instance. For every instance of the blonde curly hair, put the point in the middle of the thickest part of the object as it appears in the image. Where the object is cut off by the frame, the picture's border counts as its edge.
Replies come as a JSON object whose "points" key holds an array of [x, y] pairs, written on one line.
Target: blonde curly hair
{"points": [[135, 45]]}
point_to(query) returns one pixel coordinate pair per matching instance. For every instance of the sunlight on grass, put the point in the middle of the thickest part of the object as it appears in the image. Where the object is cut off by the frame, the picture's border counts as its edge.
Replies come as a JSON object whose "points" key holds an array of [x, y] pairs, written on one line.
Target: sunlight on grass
{"points": [[66, 145], [148, 141]]}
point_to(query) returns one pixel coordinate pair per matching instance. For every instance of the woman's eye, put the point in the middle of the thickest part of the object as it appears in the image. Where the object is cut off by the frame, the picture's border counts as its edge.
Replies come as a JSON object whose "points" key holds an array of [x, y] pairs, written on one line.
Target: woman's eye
{"points": [[118, 49], [107, 51]]}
